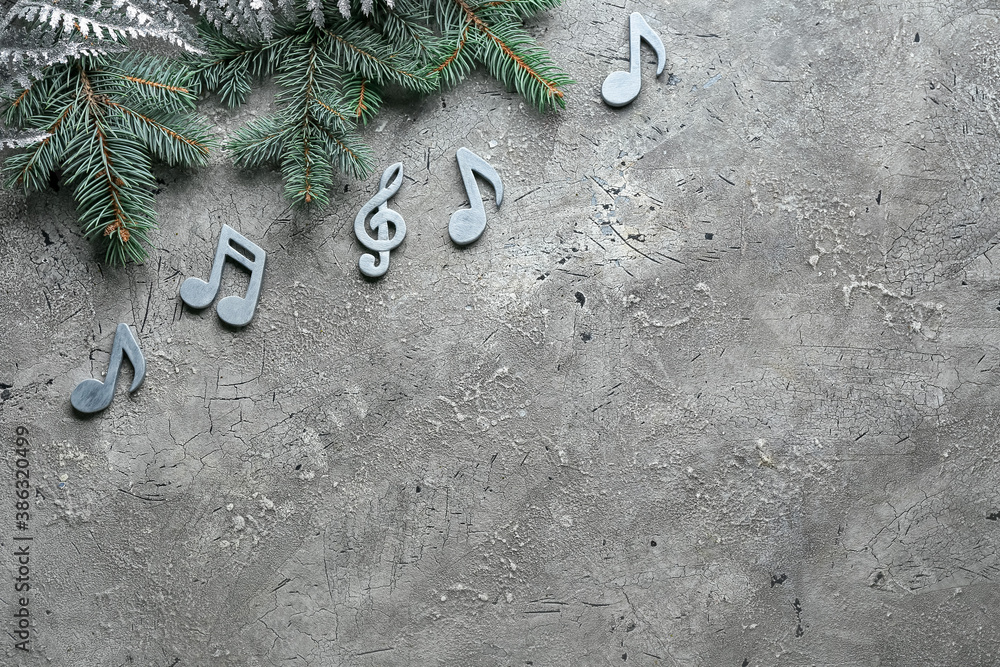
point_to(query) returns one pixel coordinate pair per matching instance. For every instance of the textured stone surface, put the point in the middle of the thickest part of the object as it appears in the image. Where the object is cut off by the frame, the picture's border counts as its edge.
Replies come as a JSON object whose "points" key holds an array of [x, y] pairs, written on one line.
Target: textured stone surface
{"points": [[716, 387]]}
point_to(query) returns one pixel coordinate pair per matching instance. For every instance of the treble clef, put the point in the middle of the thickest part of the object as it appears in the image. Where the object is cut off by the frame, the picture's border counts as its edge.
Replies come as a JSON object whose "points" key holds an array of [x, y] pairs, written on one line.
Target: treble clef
{"points": [[379, 223]]}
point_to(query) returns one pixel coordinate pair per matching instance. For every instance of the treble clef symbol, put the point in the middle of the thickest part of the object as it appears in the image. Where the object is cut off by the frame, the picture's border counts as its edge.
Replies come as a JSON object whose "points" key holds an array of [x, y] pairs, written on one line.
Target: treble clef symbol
{"points": [[380, 222]]}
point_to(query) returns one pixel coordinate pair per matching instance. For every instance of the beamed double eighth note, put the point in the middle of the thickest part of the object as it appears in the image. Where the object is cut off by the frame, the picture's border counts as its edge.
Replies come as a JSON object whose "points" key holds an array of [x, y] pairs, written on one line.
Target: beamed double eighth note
{"points": [[233, 310], [467, 224], [389, 185], [93, 395], [620, 88]]}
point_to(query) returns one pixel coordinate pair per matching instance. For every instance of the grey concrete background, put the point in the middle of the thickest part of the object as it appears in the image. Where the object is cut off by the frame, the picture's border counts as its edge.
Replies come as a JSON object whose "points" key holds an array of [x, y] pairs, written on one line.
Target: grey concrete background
{"points": [[716, 387]]}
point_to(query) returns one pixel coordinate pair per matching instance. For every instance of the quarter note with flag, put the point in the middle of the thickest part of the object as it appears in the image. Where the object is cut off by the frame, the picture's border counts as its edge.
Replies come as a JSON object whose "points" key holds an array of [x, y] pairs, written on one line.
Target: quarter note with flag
{"points": [[93, 395], [620, 88], [468, 224]]}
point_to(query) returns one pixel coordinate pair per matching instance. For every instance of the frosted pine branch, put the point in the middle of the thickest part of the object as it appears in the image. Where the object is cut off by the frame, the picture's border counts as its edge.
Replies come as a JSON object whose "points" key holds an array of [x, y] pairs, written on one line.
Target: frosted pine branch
{"points": [[106, 19], [35, 34], [13, 138], [24, 54], [256, 20]]}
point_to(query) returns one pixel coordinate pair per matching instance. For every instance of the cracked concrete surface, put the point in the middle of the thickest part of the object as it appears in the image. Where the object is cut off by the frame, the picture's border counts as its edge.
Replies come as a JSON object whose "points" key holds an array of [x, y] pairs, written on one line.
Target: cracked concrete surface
{"points": [[716, 387]]}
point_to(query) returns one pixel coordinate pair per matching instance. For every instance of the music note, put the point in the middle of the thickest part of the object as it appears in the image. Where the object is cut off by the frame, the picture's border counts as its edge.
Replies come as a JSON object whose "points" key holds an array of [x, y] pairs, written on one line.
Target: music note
{"points": [[233, 310], [467, 224], [93, 395], [620, 88], [380, 224]]}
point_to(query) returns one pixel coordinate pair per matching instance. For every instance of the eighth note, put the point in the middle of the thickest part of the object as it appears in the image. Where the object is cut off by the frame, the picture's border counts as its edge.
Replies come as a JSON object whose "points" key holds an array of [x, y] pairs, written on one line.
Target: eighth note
{"points": [[467, 224], [620, 88], [380, 222], [93, 395], [233, 310]]}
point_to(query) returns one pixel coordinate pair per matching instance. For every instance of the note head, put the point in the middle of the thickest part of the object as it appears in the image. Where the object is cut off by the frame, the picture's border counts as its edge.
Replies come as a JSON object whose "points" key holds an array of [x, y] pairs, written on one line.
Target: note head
{"points": [[465, 226], [620, 89], [236, 311], [197, 293], [90, 396]]}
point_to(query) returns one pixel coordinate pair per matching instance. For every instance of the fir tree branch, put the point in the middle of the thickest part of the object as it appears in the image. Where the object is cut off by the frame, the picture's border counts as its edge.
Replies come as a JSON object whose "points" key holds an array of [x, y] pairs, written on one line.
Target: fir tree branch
{"points": [[361, 54], [306, 192], [145, 80], [455, 57], [108, 211], [105, 121], [20, 98], [173, 147], [317, 105], [33, 172], [330, 73], [259, 142], [352, 156], [523, 68], [406, 24], [155, 85], [366, 103], [231, 65], [336, 113], [522, 8]]}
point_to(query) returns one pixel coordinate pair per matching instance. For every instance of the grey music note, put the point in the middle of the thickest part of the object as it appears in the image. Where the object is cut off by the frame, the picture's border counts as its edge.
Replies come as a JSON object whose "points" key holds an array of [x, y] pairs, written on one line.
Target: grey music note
{"points": [[467, 224], [233, 310], [380, 224], [93, 395], [620, 88]]}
